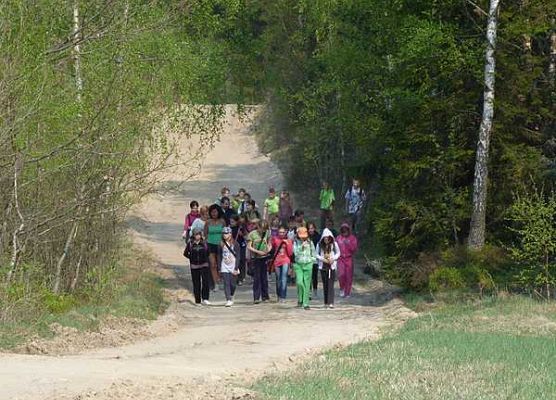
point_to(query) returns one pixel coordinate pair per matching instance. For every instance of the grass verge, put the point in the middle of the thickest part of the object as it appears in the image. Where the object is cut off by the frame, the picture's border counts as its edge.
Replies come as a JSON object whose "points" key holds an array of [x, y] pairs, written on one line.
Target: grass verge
{"points": [[497, 349], [126, 290]]}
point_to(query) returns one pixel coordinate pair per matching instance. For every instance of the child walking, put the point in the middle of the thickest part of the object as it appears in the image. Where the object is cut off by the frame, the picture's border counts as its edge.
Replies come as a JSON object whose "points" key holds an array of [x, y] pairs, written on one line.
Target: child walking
{"points": [[328, 253], [239, 233], [228, 256], [314, 235], [283, 250], [347, 242], [304, 251], [271, 205], [196, 251], [189, 219]]}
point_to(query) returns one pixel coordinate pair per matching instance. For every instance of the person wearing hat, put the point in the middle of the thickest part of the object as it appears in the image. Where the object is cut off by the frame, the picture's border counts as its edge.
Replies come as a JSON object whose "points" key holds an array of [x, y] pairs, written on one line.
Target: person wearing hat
{"points": [[328, 253], [228, 260], [304, 252], [196, 250]]}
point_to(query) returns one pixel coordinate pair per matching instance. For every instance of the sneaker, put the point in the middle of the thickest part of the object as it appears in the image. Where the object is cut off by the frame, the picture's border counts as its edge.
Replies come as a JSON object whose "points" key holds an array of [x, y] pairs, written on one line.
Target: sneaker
{"points": [[299, 305], [215, 289], [256, 302], [206, 302], [342, 294], [347, 296], [331, 306], [240, 283], [229, 303], [306, 307]]}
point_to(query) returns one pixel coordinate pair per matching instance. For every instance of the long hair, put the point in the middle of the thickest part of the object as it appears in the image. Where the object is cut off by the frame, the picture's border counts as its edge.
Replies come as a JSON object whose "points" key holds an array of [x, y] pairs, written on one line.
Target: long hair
{"points": [[327, 247]]}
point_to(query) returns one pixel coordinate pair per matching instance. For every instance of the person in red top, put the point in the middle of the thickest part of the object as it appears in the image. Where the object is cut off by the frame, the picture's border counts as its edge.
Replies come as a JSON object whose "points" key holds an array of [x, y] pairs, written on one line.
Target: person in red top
{"points": [[283, 251], [348, 246], [189, 218]]}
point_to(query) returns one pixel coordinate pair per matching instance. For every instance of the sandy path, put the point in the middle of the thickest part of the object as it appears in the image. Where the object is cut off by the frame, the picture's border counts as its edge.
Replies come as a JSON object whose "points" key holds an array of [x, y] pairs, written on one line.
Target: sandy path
{"points": [[210, 342]]}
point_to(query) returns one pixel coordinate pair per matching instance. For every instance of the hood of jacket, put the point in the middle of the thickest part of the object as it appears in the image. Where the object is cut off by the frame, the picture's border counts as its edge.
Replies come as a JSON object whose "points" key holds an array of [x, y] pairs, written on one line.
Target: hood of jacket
{"points": [[344, 225], [326, 233]]}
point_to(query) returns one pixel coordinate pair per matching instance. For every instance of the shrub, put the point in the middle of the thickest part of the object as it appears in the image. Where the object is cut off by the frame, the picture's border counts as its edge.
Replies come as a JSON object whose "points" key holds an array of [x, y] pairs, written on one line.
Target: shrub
{"points": [[533, 220], [446, 278]]}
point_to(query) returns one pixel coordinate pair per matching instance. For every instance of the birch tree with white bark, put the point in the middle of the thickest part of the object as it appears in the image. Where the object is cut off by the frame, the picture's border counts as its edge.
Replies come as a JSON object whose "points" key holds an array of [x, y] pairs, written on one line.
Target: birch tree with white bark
{"points": [[480, 182]]}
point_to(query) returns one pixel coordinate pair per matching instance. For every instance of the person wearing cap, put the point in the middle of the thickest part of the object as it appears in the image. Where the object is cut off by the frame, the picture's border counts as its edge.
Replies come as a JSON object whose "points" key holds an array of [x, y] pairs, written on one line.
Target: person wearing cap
{"points": [[304, 252], [228, 260], [271, 205], [347, 242], [328, 253], [196, 251]]}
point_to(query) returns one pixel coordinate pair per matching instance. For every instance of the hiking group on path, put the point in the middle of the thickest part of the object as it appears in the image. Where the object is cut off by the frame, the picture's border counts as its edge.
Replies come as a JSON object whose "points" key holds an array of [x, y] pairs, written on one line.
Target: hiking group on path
{"points": [[231, 239]]}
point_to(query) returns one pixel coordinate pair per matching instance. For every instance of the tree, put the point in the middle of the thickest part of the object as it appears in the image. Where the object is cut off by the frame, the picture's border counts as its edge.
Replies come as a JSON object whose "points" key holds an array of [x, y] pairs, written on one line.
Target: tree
{"points": [[476, 238]]}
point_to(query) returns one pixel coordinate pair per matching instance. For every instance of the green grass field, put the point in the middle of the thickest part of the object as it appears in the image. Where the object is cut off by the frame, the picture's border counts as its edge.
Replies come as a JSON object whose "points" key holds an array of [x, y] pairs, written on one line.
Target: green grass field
{"points": [[497, 349]]}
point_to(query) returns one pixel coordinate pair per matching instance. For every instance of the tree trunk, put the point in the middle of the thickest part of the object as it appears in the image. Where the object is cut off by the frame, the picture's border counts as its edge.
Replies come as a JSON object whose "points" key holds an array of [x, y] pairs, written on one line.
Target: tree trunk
{"points": [[67, 246], [480, 182], [77, 51], [18, 165], [552, 61]]}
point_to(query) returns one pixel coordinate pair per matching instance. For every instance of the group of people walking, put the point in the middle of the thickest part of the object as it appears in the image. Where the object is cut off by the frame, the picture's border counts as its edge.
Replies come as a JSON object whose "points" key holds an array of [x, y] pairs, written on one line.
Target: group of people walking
{"points": [[232, 238]]}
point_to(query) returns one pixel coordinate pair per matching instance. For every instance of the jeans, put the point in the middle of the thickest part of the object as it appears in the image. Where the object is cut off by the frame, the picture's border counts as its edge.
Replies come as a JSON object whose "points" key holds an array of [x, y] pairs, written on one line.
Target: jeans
{"points": [[260, 279], [282, 281], [229, 284]]}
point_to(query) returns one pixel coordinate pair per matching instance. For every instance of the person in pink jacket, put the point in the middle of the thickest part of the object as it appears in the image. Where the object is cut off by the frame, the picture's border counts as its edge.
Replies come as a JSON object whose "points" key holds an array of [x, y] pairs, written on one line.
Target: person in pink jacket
{"points": [[348, 246]]}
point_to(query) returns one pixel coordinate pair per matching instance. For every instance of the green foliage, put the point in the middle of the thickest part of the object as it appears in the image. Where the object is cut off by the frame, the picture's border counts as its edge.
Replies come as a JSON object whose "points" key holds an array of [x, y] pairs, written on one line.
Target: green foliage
{"points": [[533, 221], [446, 278], [390, 91]]}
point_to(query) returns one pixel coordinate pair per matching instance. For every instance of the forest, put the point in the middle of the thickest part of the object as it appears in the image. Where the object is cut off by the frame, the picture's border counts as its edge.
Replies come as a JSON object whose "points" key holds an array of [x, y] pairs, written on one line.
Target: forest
{"points": [[390, 91]]}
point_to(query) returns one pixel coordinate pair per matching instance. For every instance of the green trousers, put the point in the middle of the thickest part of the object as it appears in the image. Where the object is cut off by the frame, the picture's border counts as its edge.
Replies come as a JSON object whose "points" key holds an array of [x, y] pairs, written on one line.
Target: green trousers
{"points": [[303, 275]]}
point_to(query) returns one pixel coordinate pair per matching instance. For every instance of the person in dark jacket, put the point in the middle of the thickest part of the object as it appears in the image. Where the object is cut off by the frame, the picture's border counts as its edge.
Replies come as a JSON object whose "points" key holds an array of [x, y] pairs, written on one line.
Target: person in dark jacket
{"points": [[196, 251]]}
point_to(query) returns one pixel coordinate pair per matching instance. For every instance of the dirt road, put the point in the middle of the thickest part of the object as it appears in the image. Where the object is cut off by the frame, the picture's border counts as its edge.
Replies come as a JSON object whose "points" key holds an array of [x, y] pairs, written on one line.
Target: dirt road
{"points": [[210, 348]]}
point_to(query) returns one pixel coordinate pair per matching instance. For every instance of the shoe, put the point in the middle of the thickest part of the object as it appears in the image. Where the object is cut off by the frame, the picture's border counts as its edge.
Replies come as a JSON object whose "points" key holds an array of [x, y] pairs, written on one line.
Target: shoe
{"points": [[229, 303], [331, 306], [342, 293], [240, 283], [256, 302], [266, 300], [215, 289], [299, 305], [306, 307], [206, 302], [347, 296]]}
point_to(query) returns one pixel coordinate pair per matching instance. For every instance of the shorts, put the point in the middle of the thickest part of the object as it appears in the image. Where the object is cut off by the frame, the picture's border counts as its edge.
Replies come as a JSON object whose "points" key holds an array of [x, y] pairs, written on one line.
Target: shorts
{"points": [[212, 248]]}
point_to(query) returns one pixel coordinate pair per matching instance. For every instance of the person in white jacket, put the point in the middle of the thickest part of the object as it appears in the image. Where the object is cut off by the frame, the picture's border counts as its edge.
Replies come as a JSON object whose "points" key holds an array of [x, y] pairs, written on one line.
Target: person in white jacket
{"points": [[328, 253]]}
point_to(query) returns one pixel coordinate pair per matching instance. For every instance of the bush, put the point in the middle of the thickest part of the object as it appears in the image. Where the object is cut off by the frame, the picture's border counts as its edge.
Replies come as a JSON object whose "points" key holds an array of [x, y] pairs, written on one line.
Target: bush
{"points": [[446, 278]]}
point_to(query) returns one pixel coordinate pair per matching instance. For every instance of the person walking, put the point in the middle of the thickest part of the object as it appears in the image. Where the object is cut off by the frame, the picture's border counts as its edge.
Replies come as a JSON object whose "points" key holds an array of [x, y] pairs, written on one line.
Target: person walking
{"points": [[227, 210], [283, 251], [285, 207], [314, 236], [328, 254], [347, 242], [239, 234], [251, 215], [213, 233], [355, 200], [200, 222], [228, 260], [258, 245], [196, 251], [304, 253], [327, 199], [189, 219], [271, 205]]}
